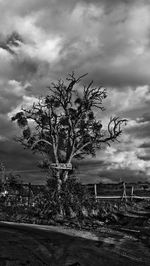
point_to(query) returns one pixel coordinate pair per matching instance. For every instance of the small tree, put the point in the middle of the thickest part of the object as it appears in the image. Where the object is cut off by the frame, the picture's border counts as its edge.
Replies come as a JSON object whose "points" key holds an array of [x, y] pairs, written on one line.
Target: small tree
{"points": [[64, 125]]}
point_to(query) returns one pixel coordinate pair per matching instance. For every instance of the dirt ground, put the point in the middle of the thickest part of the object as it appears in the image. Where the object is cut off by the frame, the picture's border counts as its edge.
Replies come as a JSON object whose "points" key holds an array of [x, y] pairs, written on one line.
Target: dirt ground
{"points": [[43, 245]]}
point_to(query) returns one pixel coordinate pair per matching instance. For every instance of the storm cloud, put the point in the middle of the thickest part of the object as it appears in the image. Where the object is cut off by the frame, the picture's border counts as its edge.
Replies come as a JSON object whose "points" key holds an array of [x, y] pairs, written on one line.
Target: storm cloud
{"points": [[42, 41]]}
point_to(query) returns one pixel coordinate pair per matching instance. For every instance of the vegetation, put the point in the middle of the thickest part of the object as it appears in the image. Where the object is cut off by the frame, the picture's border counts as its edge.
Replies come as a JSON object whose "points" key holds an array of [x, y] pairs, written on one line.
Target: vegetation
{"points": [[41, 204], [64, 125]]}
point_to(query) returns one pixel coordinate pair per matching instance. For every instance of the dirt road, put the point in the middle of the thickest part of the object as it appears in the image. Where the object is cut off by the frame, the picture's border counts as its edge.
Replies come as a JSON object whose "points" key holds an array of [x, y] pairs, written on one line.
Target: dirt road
{"points": [[52, 246]]}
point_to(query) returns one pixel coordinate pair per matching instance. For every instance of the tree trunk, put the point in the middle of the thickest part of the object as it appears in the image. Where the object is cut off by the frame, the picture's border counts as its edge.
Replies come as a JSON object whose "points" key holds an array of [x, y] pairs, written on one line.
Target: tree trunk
{"points": [[59, 182], [65, 175], [59, 187]]}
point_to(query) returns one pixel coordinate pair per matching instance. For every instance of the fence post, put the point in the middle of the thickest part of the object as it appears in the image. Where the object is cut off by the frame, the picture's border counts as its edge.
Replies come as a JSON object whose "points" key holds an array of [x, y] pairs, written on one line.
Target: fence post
{"points": [[124, 195], [29, 193], [95, 191], [132, 192], [2, 169]]}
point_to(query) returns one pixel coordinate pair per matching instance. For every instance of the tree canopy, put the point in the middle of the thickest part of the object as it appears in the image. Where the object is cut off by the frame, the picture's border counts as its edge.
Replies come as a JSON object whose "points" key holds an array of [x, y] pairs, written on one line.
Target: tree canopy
{"points": [[64, 124]]}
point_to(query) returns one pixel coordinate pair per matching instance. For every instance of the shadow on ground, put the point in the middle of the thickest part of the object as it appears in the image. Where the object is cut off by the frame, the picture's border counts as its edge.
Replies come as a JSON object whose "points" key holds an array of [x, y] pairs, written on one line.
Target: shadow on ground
{"points": [[29, 245]]}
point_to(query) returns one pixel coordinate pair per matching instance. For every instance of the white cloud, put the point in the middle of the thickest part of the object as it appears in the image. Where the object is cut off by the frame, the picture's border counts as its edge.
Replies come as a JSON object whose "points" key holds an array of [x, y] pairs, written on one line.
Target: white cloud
{"points": [[138, 25], [127, 159], [27, 102], [15, 88], [37, 43], [128, 99], [45, 50]]}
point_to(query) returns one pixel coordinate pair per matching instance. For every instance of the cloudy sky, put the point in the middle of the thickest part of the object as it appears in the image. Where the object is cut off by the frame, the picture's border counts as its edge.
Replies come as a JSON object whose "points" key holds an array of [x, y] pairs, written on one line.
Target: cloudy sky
{"points": [[41, 41]]}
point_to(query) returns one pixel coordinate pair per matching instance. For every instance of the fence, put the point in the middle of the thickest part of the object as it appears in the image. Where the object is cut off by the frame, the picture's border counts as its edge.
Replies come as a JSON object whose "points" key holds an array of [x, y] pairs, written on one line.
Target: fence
{"points": [[24, 193], [117, 191], [21, 193]]}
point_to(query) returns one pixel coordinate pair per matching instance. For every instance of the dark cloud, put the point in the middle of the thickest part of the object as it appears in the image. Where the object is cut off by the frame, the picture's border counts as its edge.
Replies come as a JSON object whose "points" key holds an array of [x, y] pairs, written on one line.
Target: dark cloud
{"points": [[115, 76], [13, 40], [145, 145], [96, 172], [101, 47], [7, 129], [108, 39], [144, 118], [16, 158], [8, 100], [22, 162], [140, 130], [126, 175], [24, 68], [111, 3], [144, 157], [26, 7], [87, 170]]}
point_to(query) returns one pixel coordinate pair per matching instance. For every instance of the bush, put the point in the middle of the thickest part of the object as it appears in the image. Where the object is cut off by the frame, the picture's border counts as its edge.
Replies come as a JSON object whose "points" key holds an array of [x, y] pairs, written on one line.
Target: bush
{"points": [[73, 199]]}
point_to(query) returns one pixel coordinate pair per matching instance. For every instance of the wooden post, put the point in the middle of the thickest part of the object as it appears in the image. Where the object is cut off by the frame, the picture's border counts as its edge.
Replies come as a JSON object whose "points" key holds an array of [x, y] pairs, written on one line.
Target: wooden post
{"points": [[95, 191], [29, 193], [132, 190], [124, 195], [2, 168]]}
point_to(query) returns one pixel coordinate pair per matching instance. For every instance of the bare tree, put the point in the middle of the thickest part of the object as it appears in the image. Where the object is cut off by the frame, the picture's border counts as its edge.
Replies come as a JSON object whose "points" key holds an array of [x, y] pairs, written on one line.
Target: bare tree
{"points": [[64, 124]]}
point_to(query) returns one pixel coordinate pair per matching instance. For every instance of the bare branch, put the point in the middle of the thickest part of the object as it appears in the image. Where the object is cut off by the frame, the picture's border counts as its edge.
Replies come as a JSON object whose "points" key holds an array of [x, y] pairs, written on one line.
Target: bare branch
{"points": [[40, 140], [81, 148], [114, 129], [72, 77]]}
